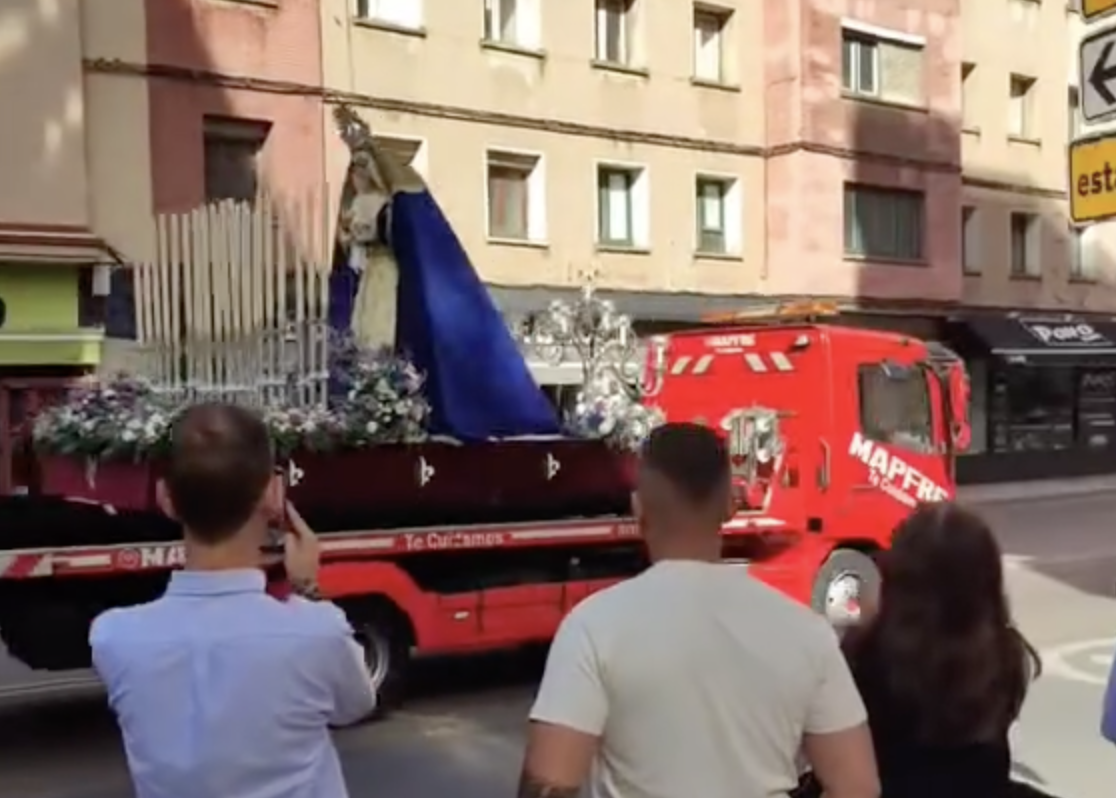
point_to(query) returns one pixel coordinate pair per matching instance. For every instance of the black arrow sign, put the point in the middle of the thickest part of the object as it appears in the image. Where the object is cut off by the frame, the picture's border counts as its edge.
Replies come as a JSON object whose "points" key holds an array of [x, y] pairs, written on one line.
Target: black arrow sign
{"points": [[1104, 71]]}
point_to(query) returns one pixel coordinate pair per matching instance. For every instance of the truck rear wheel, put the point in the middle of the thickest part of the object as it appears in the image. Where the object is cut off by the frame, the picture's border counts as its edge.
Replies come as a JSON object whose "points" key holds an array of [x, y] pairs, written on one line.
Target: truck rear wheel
{"points": [[844, 580], [382, 634]]}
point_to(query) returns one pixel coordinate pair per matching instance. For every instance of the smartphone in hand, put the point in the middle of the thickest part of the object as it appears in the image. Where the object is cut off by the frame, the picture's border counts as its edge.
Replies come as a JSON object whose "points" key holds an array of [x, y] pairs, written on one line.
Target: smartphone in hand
{"points": [[272, 548]]}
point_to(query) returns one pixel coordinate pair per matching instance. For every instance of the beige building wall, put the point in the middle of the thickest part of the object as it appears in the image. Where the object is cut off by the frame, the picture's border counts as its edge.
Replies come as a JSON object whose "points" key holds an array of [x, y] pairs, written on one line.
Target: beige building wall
{"points": [[432, 78], [74, 159], [117, 129], [1020, 169], [75, 172], [42, 126]]}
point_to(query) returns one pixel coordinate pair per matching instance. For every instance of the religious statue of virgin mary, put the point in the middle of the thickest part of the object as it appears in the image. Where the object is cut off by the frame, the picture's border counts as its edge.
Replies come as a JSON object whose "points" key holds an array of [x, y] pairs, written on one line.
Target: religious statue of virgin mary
{"points": [[401, 279]]}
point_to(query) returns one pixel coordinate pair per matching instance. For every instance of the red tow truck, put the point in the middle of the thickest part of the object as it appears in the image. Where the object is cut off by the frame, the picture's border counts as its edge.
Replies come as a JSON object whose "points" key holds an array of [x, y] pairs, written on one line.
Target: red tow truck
{"points": [[835, 434]]}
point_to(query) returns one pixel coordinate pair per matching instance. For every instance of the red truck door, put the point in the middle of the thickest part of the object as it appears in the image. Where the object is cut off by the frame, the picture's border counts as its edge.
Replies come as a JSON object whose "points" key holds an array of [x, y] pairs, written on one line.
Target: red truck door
{"points": [[897, 450]]}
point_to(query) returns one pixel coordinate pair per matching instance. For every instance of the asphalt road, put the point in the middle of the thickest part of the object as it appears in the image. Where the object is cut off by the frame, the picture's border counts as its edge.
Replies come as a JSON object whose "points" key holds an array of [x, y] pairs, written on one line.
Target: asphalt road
{"points": [[461, 734]]}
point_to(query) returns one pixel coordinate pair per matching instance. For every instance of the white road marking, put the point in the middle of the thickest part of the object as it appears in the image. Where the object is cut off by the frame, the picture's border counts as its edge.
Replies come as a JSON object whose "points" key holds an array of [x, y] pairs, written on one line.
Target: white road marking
{"points": [[1015, 562], [47, 687], [1056, 660]]}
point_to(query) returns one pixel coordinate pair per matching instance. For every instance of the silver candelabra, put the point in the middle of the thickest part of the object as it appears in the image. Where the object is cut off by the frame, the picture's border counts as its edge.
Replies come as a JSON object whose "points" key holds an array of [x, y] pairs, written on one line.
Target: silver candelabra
{"points": [[602, 340]]}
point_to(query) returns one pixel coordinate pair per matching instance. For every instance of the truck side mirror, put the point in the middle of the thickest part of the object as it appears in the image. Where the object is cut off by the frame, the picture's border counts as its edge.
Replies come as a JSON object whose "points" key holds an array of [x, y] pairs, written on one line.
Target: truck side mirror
{"points": [[960, 429]]}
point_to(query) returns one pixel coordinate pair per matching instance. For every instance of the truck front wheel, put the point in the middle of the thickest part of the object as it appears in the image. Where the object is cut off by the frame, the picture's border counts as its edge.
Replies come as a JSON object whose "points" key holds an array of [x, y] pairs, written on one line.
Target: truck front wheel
{"points": [[845, 579], [383, 635]]}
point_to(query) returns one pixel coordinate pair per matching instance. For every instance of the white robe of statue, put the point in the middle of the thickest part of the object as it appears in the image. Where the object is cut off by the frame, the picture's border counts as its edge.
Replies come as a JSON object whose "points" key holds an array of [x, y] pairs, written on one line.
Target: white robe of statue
{"points": [[374, 308]]}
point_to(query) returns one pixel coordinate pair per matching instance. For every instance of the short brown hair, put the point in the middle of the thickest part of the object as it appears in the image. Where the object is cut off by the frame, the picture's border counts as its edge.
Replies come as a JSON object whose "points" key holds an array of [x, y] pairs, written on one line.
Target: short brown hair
{"points": [[220, 464], [693, 458]]}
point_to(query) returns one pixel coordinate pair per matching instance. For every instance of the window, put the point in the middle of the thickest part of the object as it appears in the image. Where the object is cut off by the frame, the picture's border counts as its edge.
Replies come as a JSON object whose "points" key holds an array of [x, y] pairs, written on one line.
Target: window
{"points": [[889, 69], [718, 215], [895, 406], [970, 241], [883, 223], [1096, 408], [1020, 111], [968, 106], [1082, 260], [514, 22], [860, 64], [404, 13], [615, 26], [516, 197], [1031, 409], [622, 207], [1024, 245], [232, 149], [709, 45]]}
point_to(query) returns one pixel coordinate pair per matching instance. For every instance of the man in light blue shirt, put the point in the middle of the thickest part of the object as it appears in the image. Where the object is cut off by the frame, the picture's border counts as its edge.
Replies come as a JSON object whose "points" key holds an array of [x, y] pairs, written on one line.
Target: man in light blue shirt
{"points": [[221, 690]]}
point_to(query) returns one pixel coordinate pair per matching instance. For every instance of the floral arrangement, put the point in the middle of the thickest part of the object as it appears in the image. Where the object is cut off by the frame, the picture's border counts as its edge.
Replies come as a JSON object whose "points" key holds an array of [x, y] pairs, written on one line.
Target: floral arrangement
{"points": [[122, 417], [380, 399], [314, 429], [384, 401], [125, 418], [609, 409]]}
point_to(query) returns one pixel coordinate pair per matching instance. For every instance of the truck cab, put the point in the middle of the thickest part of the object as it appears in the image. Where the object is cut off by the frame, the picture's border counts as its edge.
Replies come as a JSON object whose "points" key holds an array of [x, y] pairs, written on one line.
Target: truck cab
{"points": [[835, 435]]}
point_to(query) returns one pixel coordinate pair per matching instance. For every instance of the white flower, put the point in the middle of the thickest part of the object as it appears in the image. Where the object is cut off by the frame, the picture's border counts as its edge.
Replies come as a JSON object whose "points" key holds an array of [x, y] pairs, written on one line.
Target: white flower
{"points": [[371, 427]]}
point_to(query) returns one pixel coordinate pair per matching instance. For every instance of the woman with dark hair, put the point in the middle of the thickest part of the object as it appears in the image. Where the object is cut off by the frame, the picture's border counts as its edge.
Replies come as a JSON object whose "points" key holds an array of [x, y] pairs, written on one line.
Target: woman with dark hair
{"points": [[941, 667]]}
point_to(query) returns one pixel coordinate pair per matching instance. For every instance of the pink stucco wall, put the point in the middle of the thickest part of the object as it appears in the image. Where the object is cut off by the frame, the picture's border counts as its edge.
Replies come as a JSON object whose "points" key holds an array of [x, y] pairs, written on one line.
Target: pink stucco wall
{"points": [[277, 42], [820, 140]]}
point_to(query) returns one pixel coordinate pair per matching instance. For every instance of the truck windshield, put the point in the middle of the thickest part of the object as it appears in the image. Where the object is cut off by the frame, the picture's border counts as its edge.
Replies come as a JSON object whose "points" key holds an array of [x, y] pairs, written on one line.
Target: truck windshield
{"points": [[895, 407]]}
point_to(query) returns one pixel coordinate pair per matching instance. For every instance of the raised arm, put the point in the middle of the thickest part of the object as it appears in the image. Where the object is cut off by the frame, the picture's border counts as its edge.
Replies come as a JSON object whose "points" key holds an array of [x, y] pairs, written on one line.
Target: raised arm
{"points": [[568, 717]]}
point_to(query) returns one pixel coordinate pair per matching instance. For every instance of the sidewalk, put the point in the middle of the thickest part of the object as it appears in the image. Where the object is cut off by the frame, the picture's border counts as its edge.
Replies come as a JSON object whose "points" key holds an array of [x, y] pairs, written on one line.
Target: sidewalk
{"points": [[1037, 490]]}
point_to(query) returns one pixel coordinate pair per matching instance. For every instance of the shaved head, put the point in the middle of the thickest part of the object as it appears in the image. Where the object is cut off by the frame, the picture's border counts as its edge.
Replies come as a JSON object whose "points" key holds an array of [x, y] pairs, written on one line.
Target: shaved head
{"points": [[684, 480]]}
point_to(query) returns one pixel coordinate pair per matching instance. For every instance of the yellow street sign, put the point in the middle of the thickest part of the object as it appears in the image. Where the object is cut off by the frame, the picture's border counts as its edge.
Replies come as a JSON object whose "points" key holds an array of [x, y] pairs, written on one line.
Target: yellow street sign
{"points": [[1091, 9], [1093, 179]]}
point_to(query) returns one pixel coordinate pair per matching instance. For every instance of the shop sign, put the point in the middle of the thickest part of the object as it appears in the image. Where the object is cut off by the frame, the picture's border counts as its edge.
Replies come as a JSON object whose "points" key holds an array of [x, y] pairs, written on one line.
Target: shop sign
{"points": [[1094, 9], [1067, 334], [1092, 177]]}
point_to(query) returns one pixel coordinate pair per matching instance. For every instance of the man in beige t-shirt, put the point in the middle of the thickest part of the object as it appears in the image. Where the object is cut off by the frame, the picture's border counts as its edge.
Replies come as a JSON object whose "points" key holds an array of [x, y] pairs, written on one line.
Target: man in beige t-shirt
{"points": [[693, 680]]}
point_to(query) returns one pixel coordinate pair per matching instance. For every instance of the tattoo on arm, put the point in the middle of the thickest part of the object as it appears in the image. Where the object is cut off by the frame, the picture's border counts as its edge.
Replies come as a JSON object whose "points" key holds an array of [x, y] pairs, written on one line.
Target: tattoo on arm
{"points": [[531, 787]]}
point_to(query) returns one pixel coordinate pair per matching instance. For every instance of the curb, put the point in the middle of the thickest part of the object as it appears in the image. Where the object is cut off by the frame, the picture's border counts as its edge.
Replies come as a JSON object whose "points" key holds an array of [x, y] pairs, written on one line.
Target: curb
{"points": [[1040, 490]]}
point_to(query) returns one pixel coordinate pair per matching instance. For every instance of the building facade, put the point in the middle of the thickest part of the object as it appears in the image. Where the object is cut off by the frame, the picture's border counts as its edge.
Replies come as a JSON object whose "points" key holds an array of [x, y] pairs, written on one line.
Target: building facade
{"points": [[1037, 326], [625, 141], [221, 124], [52, 229], [904, 158]]}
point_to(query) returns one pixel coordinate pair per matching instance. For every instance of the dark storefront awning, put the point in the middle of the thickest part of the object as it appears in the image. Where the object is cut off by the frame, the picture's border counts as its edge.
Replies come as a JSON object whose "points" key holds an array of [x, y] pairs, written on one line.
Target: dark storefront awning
{"points": [[1049, 341]]}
